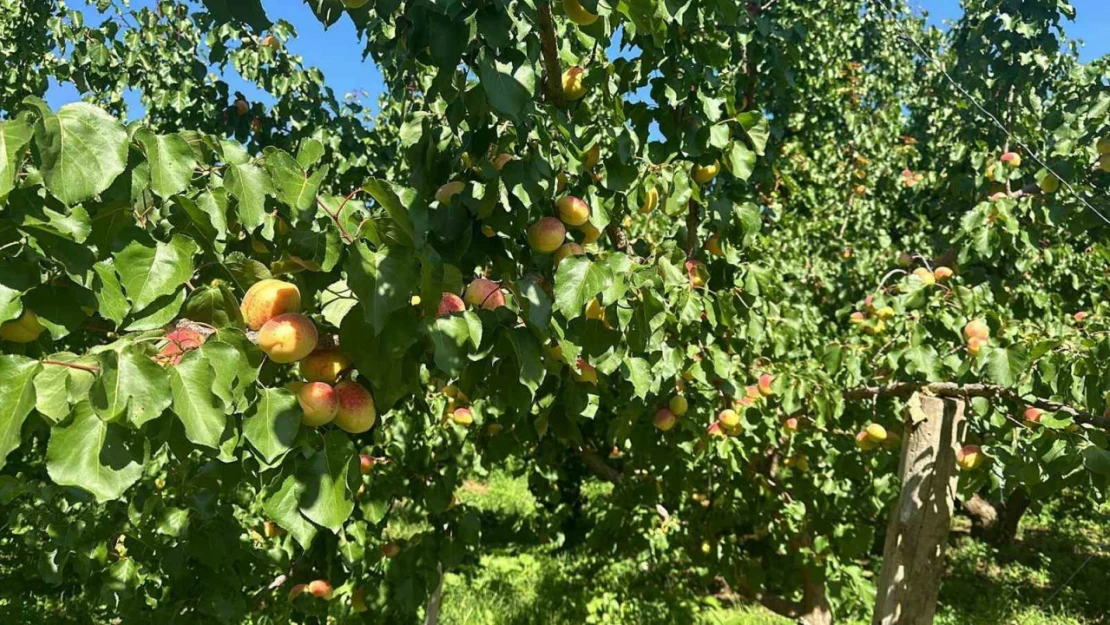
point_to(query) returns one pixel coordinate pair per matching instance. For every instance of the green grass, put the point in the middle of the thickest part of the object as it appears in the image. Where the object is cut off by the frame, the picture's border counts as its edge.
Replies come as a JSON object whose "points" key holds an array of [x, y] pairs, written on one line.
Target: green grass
{"points": [[1010, 586]]}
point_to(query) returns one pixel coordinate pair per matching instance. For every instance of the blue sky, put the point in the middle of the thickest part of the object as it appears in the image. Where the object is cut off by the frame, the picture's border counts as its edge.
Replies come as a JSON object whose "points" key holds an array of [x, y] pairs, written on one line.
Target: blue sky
{"points": [[338, 53]]}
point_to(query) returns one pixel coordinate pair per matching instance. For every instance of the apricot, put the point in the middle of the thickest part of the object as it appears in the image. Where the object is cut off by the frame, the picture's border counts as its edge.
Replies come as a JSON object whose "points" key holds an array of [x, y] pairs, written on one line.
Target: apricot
{"points": [[462, 416], [970, 457], [448, 191], [713, 245], [483, 293], [790, 424], [1049, 183], [765, 382], [318, 402], [695, 269], [365, 464], [590, 233], [578, 13], [22, 330], [593, 155], [650, 201], [267, 299], [567, 249], [728, 418], [705, 173], [498, 163], [942, 274], [1103, 145], [288, 338], [320, 589], [664, 419], [356, 412], [679, 405], [875, 433], [975, 345], [448, 304], [271, 42], [1013, 159], [390, 550], [585, 372], [324, 365], [574, 86], [241, 107], [977, 328], [1032, 415], [546, 235], [594, 310], [572, 210], [864, 442]]}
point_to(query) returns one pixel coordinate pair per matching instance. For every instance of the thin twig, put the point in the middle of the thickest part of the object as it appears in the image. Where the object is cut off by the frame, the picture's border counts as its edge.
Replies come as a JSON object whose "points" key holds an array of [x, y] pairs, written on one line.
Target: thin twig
{"points": [[73, 365]]}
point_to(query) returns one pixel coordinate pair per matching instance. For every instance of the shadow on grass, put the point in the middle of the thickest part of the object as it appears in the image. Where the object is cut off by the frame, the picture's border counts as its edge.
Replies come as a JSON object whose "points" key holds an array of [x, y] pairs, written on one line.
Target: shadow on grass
{"points": [[1058, 574]]}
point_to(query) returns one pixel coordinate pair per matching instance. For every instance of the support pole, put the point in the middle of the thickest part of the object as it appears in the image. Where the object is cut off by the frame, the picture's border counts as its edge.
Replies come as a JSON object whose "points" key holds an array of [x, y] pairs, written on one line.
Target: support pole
{"points": [[913, 556]]}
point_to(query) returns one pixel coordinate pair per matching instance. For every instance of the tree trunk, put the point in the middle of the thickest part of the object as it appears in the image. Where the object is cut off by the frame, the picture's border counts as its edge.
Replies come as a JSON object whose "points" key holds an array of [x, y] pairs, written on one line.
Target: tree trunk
{"points": [[913, 556], [997, 522], [431, 615], [815, 602]]}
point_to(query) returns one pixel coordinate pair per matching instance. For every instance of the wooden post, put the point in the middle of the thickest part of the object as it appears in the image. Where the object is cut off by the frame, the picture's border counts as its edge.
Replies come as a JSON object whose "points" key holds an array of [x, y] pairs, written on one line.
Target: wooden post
{"points": [[913, 556]]}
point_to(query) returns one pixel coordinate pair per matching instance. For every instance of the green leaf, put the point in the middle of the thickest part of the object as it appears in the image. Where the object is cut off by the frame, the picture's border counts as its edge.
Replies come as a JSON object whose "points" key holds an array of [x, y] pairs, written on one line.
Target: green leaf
{"points": [[15, 134], [450, 336], [577, 281], [272, 422], [169, 160], [112, 304], [756, 127], [1005, 366], [82, 149], [17, 399], [57, 387], [740, 160], [250, 185], [638, 372], [214, 305], [15, 279], [529, 358], [130, 387], [382, 281], [283, 508], [292, 184], [324, 497], [386, 195], [505, 93], [199, 409], [94, 456], [1096, 460], [149, 273]]}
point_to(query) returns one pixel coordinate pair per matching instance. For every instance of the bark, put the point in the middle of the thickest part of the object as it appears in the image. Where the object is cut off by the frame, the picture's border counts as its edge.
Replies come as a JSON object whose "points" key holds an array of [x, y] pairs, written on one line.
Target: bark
{"points": [[996, 522], [913, 556], [964, 391], [553, 81], [431, 615]]}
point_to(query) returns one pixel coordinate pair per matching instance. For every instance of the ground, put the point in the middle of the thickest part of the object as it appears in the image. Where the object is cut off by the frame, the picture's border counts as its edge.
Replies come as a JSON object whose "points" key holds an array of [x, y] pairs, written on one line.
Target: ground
{"points": [[1055, 574]]}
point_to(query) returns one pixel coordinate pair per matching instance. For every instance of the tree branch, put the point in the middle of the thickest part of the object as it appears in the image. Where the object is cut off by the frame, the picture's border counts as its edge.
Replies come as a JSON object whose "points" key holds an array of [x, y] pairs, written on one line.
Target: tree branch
{"points": [[691, 229], [951, 389], [597, 466], [549, 48]]}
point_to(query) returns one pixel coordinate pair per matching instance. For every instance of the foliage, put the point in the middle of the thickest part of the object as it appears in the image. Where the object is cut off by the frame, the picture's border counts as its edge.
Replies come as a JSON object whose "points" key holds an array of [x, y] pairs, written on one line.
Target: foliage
{"points": [[141, 480]]}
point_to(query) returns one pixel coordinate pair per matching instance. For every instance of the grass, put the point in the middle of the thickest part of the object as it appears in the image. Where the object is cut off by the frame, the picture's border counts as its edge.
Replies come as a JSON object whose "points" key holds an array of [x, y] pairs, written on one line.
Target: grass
{"points": [[1010, 586]]}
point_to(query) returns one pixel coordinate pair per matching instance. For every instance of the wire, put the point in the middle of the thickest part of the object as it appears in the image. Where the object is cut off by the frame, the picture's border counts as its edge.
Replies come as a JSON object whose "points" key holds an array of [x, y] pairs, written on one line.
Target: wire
{"points": [[1067, 185]]}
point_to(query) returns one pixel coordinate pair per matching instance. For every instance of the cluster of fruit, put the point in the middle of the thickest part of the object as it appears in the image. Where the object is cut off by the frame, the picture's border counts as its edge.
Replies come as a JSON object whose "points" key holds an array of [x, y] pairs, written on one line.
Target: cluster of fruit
{"points": [[728, 421], [271, 307], [875, 435]]}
